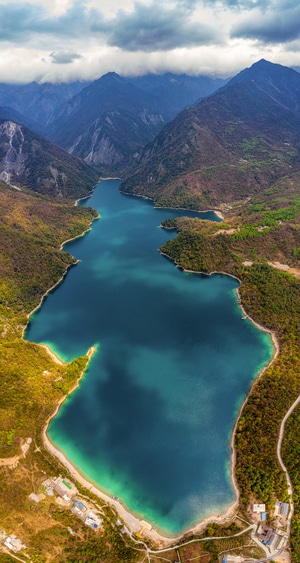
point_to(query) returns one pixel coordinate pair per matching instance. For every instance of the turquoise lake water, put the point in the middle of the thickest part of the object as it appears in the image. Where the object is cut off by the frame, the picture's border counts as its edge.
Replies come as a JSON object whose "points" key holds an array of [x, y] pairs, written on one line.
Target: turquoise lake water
{"points": [[152, 419]]}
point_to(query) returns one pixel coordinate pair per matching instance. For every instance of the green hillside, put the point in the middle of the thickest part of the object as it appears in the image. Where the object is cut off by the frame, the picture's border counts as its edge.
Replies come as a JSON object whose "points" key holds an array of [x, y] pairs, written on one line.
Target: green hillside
{"points": [[230, 146]]}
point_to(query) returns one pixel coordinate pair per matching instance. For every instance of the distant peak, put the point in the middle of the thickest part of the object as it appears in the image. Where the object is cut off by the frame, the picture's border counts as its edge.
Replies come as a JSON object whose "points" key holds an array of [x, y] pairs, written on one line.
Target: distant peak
{"points": [[263, 62], [110, 75]]}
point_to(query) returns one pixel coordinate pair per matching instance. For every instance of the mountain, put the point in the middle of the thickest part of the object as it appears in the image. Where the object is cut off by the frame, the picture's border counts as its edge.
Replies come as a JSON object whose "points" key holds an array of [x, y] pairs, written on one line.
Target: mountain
{"points": [[280, 83], [107, 121], [8, 113], [29, 160], [177, 91], [229, 146], [38, 102], [110, 120]]}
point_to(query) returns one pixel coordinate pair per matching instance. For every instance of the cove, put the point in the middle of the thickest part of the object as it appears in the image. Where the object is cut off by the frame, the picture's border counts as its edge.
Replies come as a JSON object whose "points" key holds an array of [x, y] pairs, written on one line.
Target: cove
{"points": [[152, 419]]}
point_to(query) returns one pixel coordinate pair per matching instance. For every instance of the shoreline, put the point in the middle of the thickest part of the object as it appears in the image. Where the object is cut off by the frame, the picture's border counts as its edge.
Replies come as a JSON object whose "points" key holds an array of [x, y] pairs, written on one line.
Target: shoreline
{"points": [[276, 350], [131, 520], [133, 523], [56, 284], [216, 212]]}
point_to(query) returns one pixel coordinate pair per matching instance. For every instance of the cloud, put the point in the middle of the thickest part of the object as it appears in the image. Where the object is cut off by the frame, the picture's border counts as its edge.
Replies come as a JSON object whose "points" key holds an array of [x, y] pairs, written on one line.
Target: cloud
{"points": [[19, 22], [64, 57], [248, 5], [86, 38], [146, 27], [279, 25], [155, 28]]}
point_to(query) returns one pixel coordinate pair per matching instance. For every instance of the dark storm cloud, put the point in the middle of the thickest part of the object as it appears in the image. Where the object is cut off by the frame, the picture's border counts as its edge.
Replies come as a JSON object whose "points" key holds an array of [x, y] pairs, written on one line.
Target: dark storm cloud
{"points": [[154, 28], [279, 25], [64, 57]]}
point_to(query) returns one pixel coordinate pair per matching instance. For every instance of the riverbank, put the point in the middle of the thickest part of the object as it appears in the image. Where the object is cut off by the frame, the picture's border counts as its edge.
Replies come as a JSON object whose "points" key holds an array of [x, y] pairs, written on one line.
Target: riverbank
{"points": [[218, 213]]}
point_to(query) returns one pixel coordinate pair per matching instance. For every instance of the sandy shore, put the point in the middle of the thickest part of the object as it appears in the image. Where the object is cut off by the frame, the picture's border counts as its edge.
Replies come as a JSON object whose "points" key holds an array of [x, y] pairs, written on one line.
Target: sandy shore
{"points": [[133, 523], [54, 356], [219, 214]]}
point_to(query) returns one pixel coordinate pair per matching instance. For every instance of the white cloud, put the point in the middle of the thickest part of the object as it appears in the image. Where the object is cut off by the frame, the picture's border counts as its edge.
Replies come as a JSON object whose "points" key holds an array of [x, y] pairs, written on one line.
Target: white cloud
{"points": [[86, 38]]}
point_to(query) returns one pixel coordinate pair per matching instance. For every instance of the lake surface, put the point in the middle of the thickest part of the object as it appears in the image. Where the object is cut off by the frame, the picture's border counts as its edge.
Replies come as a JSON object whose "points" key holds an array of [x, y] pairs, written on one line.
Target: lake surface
{"points": [[153, 417]]}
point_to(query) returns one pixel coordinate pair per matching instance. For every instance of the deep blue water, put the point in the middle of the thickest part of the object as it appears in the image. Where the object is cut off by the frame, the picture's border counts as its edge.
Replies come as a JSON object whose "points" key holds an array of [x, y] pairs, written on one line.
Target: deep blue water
{"points": [[152, 419]]}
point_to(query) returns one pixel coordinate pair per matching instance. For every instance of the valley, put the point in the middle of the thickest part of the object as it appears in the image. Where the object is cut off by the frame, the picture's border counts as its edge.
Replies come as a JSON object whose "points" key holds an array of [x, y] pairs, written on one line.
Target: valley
{"points": [[236, 151]]}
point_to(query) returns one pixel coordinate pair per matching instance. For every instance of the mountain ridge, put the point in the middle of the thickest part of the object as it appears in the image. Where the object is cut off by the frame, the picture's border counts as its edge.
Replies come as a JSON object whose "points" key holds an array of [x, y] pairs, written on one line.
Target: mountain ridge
{"points": [[234, 143], [108, 122], [29, 160]]}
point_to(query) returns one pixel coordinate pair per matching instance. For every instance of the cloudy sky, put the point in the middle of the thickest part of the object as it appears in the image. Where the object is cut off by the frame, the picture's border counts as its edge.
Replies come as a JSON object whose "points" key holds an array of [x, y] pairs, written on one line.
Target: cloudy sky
{"points": [[63, 40]]}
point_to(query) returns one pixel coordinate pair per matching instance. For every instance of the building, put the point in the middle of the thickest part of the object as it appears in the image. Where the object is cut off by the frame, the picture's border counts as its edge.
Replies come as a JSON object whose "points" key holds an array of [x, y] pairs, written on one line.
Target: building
{"points": [[65, 489], [282, 508], [258, 508], [48, 485], [14, 544], [92, 520], [79, 509], [37, 498]]}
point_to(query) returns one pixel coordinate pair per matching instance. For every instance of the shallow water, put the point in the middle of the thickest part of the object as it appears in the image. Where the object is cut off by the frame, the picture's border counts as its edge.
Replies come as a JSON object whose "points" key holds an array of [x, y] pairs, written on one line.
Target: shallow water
{"points": [[152, 419]]}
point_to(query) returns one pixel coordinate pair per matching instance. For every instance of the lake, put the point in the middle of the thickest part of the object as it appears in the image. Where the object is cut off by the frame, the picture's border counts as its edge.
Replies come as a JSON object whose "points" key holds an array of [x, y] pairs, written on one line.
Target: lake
{"points": [[153, 417]]}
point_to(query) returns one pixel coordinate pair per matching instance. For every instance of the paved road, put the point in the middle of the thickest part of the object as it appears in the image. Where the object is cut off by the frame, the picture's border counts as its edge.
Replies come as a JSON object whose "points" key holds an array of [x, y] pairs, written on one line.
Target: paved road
{"points": [[279, 445]]}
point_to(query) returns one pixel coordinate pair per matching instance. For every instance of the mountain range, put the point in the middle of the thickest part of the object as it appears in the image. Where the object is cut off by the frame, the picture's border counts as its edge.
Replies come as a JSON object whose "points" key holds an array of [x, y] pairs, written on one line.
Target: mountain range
{"points": [[109, 120], [232, 140], [38, 102], [235, 143]]}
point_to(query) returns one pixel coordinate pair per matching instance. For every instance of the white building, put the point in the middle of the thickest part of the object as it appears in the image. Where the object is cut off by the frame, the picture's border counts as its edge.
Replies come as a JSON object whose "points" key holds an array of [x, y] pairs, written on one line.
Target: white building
{"points": [[65, 489], [92, 520], [258, 508], [14, 544]]}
